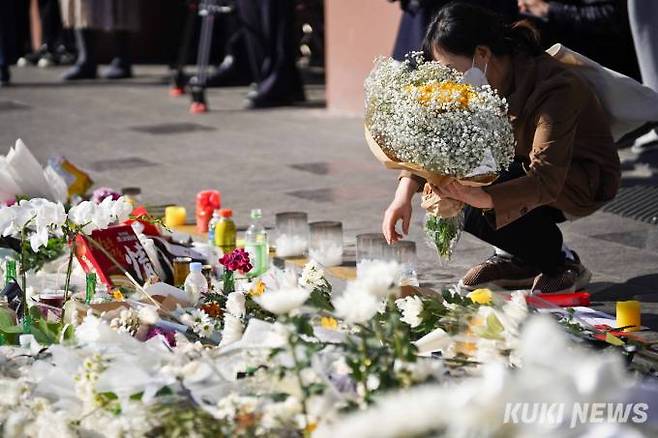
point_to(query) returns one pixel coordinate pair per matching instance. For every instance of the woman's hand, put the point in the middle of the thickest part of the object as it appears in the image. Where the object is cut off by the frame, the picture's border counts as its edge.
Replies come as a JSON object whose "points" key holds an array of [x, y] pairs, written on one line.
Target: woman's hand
{"points": [[400, 209], [473, 196]]}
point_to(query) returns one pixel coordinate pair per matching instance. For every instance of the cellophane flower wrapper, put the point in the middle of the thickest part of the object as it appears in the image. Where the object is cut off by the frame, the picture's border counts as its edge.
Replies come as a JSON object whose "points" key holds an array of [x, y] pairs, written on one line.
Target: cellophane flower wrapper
{"points": [[443, 233]]}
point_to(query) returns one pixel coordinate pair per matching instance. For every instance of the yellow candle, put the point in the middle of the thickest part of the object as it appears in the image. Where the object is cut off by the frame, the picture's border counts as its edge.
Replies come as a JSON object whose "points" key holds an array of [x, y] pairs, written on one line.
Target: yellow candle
{"points": [[628, 314], [175, 216]]}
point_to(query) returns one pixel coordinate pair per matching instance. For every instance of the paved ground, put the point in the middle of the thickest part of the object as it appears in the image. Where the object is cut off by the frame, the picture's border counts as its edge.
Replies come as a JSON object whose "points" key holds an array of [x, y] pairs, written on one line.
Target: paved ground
{"points": [[132, 133]]}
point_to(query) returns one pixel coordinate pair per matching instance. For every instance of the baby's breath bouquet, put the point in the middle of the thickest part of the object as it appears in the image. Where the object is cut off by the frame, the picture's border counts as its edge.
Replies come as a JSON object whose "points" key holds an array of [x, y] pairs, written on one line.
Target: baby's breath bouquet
{"points": [[422, 117]]}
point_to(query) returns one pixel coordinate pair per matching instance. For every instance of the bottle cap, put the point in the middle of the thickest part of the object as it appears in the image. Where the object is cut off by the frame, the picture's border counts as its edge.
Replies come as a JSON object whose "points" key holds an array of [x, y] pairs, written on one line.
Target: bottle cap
{"points": [[226, 212], [195, 267], [256, 213]]}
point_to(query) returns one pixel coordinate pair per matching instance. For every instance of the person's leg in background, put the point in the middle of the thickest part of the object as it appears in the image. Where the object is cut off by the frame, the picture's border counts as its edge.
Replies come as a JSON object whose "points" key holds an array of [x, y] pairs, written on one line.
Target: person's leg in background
{"points": [[86, 65], [643, 16], [234, 70], [280, 82], [52, 32], [7, 38], [121, 65]]}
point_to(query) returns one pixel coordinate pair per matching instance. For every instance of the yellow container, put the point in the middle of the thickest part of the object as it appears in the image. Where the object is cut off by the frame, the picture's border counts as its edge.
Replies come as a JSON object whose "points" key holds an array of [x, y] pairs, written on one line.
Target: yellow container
{"points": [[175, 216], [225, 231], [628, 314]]}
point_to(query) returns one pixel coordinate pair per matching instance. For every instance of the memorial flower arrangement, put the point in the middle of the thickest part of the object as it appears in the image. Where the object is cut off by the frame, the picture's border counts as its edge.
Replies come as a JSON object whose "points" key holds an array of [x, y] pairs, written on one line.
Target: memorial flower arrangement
{"points": [[422, 117], [286, 364]]}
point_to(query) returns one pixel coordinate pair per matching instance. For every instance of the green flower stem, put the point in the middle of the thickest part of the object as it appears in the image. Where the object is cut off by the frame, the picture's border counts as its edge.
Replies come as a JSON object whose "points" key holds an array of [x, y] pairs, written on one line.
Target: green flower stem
{"points": [[23, 274], [69, 272]]}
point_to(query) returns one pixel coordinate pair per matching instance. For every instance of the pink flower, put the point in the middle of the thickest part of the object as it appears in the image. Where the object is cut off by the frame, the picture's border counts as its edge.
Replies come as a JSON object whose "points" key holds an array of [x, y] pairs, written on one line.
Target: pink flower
{"points": [[237, 260], [104, 192]]}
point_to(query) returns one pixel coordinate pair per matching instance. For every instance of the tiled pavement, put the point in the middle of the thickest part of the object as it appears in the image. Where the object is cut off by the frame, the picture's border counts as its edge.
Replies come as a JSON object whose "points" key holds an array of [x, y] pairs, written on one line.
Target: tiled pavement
{"points": [[133, 134]]}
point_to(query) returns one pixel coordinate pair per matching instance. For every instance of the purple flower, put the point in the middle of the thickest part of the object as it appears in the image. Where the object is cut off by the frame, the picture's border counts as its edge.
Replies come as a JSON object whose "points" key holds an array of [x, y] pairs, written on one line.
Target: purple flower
{"points": [[104, 192], [167, 334]]}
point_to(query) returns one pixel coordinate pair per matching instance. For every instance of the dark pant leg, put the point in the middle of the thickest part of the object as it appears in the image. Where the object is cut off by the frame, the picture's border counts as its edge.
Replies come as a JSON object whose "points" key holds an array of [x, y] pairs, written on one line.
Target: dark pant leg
{"points": [[534, 238], [8, 18], [251, 21], [279, 76], [51, 23]]}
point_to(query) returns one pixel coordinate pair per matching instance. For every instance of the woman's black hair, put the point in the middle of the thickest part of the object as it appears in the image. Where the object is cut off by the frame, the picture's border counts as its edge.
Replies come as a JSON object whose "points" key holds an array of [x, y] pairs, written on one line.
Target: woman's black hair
{"points": [[460, 27]]}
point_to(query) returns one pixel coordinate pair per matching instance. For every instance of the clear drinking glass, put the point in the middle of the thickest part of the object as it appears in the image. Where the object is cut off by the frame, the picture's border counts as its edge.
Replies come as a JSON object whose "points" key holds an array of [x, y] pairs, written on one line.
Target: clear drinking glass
{"points": [[326, 243], [404, 252], [291, 234], [369, 246]]}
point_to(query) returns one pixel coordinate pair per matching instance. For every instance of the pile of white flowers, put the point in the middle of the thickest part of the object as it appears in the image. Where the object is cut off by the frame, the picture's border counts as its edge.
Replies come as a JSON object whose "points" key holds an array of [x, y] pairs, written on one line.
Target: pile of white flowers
{"points": [[41, 218], [420, 112]]}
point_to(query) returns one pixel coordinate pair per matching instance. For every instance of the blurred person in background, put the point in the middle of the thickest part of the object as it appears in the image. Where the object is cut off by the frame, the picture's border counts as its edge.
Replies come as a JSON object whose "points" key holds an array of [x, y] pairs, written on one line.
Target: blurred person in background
{"points": [[8, 11], [598, 29], [88, 17], [272, 48], [54, 48], [643, 15], [417, 15]]}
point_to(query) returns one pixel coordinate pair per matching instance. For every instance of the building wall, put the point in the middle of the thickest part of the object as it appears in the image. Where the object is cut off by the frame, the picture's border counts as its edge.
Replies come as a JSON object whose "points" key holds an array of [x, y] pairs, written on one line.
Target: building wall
{"points": [[356, 32]]}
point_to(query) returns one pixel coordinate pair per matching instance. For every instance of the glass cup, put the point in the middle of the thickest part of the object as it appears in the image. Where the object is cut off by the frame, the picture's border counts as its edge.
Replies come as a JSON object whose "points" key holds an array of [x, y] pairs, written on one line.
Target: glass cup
{"points": [[291, 234], [326, 243], [181, 270], [404, 252], [370, 246]]}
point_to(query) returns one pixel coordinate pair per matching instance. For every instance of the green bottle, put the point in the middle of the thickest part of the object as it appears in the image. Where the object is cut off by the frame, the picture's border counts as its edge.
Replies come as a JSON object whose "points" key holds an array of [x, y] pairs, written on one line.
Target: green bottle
{"points": [[257, 245], [91, 287], [10, 271]]}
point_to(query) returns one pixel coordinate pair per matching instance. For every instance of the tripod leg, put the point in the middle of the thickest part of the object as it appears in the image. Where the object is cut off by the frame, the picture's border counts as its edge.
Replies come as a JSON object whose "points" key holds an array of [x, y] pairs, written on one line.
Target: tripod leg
{"points": [[198, 87]]}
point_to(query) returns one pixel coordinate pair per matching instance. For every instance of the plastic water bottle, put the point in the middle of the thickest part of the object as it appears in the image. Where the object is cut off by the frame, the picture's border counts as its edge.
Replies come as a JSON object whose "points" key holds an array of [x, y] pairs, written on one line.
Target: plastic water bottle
{"points": [[256, 244], [211, 228], [195, 283]]}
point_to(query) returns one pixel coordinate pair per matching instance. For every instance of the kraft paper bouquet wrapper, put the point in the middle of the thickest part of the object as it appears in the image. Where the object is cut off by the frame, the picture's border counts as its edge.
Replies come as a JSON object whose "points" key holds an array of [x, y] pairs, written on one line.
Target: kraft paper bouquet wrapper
{"points": [[432, 202]]}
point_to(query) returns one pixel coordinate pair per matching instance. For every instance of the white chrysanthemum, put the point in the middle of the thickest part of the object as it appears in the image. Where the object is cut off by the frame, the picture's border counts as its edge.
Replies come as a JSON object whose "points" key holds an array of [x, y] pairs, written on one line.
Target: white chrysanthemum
{"points": [[410, 308], [312, 276], [380, 278], [283, 301], [127, 322], [232, 331], [235, 304], [199, 322], [356, 305]]}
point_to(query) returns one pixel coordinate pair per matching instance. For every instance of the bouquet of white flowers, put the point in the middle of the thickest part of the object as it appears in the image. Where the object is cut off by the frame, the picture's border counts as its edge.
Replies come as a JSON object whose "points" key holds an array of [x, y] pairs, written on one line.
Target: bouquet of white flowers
{"points": [[422, 117]]}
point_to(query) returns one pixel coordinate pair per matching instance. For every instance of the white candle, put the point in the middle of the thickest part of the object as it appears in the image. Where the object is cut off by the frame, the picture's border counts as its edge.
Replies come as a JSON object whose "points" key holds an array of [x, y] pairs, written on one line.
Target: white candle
{"points": [[327, 253], [290, 245]]}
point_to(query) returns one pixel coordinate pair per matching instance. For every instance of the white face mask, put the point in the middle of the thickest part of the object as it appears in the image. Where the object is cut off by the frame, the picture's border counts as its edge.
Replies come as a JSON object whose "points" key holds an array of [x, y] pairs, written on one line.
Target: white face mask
{"points": [[476, 77]]}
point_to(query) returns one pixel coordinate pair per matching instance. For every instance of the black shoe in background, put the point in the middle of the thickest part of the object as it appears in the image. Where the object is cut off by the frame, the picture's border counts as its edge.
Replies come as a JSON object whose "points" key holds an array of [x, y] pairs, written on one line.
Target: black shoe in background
{"points": [[228, 74], [80, 71], [118, 69]]}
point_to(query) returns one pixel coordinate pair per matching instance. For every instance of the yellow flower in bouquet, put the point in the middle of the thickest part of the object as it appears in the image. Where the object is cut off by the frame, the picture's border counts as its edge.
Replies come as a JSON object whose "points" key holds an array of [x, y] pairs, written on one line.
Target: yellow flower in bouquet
{"points": [[446, 93]]}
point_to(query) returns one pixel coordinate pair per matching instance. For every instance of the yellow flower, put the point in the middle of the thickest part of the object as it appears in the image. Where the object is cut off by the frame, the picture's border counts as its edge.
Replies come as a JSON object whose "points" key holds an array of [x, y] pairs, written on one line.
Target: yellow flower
{"points": [[481, 296], [444, 92], [117, 295], [310, 428], [258, 289], [329, 323]]}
